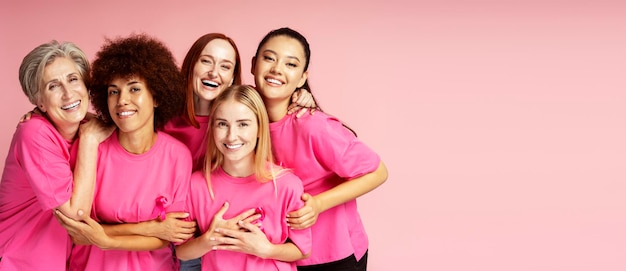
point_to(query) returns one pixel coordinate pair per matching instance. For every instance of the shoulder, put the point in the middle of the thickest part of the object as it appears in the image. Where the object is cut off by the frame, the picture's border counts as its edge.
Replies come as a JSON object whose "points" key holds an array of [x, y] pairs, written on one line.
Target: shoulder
{"points": [[198, 180], [36, 124], [171, 141], [286, 178], [322, 125], [39, 130]]}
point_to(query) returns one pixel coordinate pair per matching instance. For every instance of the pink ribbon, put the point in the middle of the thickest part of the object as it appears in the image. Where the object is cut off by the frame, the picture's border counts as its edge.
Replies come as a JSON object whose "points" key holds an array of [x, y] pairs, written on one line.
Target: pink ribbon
{"points": [[159, 208]]}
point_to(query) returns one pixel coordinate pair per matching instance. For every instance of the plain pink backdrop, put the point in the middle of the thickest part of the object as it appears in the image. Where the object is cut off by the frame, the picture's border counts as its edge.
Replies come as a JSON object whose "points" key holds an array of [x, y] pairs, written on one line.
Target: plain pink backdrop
{"points": [[501, 122]]}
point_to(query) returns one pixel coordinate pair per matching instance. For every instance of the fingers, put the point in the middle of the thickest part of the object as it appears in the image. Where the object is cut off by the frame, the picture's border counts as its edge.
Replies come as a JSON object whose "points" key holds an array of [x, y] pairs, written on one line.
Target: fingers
{"points": [[292, 108], [222, 211], [62, 217], [301, 222], [228, 234], [245, 215], [251, 218], [178, 215], [249, 226], [302, 112], [300, 212]]}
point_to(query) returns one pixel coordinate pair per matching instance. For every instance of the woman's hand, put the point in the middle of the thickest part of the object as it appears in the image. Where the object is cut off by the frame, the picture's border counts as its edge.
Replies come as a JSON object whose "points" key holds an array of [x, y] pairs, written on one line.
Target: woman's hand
{"points": [[29, 114], [232, 224], [84, 232], [251, 241], [301, 101], [306, 216], [95, 130], [173, 229]]}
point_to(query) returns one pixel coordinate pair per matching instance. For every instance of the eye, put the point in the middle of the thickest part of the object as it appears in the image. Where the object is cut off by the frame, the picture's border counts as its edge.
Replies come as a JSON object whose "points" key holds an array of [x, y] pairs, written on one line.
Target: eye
{"points": [[243, 124], [292, 65], [268, 58], [226, 67], [135, 89], [206, 61], [53, 86], [113, 92], [221, 124]]}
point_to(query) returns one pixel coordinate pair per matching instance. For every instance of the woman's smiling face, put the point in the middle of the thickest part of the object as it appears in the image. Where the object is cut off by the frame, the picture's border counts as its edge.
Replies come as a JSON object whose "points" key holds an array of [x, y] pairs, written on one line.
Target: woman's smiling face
{"points": [[215, 69]]}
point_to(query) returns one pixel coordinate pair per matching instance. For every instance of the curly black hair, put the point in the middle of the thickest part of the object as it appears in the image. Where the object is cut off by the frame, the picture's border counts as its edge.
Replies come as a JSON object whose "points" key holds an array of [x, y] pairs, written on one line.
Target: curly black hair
{"points": [[145, 57]]}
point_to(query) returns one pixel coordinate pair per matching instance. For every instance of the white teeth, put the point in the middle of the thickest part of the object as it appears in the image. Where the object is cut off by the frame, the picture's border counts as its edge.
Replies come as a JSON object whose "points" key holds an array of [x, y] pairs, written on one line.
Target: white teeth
{"points": [[273, 81], [126, 113], [210, 83], [233, 146], [70, 106]]}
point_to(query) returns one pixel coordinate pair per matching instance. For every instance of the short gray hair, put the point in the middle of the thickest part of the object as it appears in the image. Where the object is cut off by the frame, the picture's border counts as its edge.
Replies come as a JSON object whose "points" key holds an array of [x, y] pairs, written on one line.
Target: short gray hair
{"points": [[34, 63]]}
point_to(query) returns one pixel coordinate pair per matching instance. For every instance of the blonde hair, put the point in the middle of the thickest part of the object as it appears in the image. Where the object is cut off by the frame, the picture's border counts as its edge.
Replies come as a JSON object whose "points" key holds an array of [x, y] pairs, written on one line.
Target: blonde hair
{"points": [[264, 167]]}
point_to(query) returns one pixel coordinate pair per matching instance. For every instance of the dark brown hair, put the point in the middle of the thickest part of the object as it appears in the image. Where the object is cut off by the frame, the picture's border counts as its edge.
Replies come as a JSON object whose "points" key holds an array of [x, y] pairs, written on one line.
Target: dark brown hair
{"points": [[144, 57]]}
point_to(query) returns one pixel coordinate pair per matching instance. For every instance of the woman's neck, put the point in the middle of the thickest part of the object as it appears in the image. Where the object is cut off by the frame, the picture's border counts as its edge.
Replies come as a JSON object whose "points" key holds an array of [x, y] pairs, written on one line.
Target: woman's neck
{"points": [[276, 110], [137, 142], [240, 168], [201, 107], [68, 133]]}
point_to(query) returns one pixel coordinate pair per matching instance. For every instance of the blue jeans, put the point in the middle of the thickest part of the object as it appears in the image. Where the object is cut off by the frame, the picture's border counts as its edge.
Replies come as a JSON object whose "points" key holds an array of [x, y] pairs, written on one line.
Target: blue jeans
{"points": [[191, 265]]}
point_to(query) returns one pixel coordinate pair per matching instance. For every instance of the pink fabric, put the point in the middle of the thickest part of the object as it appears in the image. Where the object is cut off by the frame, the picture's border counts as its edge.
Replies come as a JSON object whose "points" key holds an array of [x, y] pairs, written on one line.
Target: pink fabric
{"points": [[127, 190], [37, 178], [194, 138], [324, 154], [243, 194]]}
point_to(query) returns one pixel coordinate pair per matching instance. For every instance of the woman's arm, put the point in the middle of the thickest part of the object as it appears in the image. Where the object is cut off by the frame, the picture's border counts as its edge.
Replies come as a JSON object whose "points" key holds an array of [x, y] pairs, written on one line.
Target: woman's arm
{"points": [[88, 232], [307, 216], [173, 229], [91, 135]]}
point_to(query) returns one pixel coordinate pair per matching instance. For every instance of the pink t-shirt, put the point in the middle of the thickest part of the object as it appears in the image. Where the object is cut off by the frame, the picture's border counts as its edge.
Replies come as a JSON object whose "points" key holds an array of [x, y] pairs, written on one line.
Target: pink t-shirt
{"points": [[243, 194], [129, 188], [324, 154], [194, 138], [37, 178]]}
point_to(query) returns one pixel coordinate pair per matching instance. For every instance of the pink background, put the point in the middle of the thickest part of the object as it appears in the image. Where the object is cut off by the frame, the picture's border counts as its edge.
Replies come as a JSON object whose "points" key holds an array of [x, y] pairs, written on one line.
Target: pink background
{"points": [[501, 122]]}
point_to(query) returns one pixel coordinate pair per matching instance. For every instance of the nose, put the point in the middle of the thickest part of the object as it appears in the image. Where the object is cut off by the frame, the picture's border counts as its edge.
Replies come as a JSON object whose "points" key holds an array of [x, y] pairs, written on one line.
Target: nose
{"points": [[67, 93], [275, 68], [123, 97], [213, 72], [232, 135]]}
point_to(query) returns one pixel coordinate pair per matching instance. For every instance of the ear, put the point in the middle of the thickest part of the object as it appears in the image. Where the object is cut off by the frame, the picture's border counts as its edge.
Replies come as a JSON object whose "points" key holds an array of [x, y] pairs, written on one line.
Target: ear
{"points": [[305, 75], [253, 63], [39, 104], [41, 108]]}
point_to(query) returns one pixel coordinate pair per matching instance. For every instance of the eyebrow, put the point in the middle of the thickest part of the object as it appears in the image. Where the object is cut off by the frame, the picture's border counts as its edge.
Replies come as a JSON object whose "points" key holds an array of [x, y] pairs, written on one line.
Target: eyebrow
{"points": [[128, 84], [271, 51], [213, 58], [239, 120], [57, 80]]}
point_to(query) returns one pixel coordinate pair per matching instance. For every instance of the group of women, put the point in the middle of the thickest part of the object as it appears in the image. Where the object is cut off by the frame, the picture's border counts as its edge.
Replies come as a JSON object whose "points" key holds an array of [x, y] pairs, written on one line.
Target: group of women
{"points": [[182, 163]]}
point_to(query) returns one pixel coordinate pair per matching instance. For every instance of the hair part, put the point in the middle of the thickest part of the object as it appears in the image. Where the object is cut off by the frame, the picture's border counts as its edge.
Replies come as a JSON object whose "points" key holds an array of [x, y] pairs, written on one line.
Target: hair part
{"points": [[33, 66], [144, 57], [192, 57]]}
